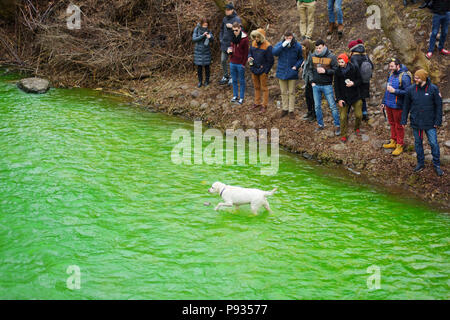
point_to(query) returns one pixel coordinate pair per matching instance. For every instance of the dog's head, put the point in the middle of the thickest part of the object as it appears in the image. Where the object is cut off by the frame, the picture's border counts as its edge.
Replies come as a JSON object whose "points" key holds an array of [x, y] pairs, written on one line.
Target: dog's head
{"points": [[216, 187]]}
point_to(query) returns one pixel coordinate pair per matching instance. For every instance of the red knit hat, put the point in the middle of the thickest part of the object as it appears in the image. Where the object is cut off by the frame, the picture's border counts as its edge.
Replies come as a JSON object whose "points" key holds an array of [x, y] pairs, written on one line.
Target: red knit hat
{"points": [[354, 43], [343, 57]]}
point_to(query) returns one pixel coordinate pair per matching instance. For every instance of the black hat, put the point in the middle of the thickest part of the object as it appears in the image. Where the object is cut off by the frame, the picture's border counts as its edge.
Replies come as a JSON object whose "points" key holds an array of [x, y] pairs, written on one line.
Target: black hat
{"points": [[229, 6]]}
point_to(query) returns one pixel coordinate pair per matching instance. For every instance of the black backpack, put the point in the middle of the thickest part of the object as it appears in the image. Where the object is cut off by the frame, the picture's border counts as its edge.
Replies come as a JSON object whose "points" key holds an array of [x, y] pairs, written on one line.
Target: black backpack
{"points": [[366, 70]]}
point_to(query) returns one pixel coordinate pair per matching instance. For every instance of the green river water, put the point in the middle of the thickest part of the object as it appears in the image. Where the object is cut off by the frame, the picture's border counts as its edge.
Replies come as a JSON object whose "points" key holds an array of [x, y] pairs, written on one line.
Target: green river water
{"points": [[87, 180]]}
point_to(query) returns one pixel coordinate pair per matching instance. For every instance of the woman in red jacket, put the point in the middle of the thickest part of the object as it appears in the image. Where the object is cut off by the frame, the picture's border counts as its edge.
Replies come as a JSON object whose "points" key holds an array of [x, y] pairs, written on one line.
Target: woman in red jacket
{"points": [[239, 55]]}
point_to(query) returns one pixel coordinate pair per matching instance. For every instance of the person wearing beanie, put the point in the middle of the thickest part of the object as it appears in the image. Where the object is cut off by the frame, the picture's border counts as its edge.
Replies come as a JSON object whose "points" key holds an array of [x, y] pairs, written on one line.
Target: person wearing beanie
{"points": [[306, 9], [347, 81], [308, 48], [358, 56], [441, 19], [290, 59], [335, 5], [225, 37], [260, 59], [238, 58], [423, 101], [398, 81], [203, 38]]}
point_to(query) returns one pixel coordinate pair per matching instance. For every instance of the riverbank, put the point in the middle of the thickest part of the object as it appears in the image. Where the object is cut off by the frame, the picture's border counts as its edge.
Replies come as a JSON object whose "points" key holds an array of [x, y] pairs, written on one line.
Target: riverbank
{"points": [[175, 93]]}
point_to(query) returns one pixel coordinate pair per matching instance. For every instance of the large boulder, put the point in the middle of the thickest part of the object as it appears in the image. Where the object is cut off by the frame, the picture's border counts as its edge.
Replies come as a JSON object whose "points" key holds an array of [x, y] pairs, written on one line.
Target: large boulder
{"points": [[34, 85]]}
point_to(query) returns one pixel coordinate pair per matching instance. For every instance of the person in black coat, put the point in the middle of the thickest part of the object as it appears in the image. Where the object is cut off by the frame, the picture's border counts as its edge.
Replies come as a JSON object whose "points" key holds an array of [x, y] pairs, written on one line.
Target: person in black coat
{"points": [[202, 38], [347, 82], [423, 101]]}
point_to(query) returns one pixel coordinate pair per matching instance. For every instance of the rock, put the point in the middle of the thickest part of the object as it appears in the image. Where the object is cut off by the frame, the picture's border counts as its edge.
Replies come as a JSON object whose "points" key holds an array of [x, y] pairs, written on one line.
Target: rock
{"points": [[378, 51], [184, 87], [447, 144], [329, 134], [446, 108], [172, 94], [204, 106], [428, 157], [373, 161], [329, 37], [195, 94], [194, 104], [447, 101], [306, 155], [339, 147], [251, 124], [365, 138], [34, 85], [427, 151], [445, 159], [235, 124], [421, 33]]}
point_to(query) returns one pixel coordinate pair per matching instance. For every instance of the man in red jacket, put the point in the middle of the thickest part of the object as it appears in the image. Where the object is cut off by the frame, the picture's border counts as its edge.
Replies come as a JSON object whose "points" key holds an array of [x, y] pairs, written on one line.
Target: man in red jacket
{"points": [[239, 55]]}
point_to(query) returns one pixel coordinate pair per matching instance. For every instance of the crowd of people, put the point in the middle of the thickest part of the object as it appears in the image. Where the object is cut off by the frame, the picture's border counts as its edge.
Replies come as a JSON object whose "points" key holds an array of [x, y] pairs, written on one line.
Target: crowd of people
{"points": [[344, 80]]}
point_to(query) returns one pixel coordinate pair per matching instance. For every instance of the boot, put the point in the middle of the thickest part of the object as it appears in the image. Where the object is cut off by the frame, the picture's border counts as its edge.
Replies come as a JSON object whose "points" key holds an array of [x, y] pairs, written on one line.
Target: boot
{"points": [[340, 29], [331, 27], [284, 113], [398, 150], [390, 145]]}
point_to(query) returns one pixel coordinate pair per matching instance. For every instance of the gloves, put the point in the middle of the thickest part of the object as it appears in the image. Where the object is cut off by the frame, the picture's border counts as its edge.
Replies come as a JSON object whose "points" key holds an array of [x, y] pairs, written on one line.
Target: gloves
{"points": [[285, 43]]}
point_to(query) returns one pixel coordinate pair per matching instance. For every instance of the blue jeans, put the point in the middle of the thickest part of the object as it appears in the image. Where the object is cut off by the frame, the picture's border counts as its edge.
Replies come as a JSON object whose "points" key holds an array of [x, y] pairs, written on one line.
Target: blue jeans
{"points": [[364, 107], [432, 141], [329, 95], [238, 76], [439, 21], [335, 5]]}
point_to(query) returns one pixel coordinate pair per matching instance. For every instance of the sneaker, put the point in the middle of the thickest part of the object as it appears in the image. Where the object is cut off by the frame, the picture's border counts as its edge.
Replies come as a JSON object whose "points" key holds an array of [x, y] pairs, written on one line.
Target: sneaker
{"points": [[234, 99], [419, 168], [230, 82], [344, 139], [241, 101], [319, 128], [284, 113], [206, 83], [199, 85], [338, 131], [445, 52], [429, 55], [358, 132], [224, 80], [291, 115], [438, 171], [365, 117]]}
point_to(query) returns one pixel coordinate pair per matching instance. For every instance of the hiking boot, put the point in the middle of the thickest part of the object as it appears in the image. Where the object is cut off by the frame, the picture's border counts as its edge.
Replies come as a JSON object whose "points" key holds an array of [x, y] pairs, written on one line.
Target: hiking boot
{"points": [[199, 85], [338, 131], [284, 113], [340, 29], [445, 52], [398, 150], [224, 80], [418, 168], [206, 83], [365, 117], [307, 116], [234, 99], [438, 171], [319, 128], [390, 145], [331, 27], [291, 115]]}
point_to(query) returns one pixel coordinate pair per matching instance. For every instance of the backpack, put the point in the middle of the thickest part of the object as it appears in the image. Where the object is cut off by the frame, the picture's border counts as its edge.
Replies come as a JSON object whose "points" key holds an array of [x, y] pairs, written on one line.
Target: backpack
{"points": [[366, 70], [400, 77]]}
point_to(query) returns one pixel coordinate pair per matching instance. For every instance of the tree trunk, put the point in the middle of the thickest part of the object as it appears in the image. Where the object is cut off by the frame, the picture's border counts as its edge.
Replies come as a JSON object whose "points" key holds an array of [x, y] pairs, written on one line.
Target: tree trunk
{"points": [[403, 41], [7, 9]]}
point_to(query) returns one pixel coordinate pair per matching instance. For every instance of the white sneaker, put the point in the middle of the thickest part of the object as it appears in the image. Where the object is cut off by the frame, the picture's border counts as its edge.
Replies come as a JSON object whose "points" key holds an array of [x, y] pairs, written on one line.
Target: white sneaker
{"points": [[241, 101], [235, 99]]}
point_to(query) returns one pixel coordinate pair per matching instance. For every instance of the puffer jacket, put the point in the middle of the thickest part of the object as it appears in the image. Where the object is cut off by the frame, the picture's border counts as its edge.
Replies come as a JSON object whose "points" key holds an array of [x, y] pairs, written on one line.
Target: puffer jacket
{"points": [[202, 49], [288, 57], [261, 53], [424, 104], [358, 56], [395, 100], [226, 34]]}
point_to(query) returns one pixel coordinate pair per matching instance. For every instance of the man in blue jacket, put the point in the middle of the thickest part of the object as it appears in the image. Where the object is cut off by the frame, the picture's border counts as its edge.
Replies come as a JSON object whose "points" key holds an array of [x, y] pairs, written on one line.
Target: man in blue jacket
{"points": [[399, 79], [424, 102], [225, 37]]}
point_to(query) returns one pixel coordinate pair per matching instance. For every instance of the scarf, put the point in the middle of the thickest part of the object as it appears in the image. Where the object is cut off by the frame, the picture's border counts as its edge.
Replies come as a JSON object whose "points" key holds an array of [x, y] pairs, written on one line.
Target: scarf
{"points": [[237, 40]]}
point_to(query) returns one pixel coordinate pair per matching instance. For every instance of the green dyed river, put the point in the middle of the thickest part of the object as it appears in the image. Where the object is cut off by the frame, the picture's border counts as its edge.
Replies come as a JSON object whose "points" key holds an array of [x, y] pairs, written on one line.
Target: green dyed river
{"points": [[92, 207]]}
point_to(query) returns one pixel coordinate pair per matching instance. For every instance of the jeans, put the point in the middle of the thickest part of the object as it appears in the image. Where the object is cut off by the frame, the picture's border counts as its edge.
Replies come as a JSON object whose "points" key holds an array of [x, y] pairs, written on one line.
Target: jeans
{"points": [[200, 73], [364, 107], [432, 141], [329, 95], [224, 62], [238, 76], [335, 5], [439, 21]]}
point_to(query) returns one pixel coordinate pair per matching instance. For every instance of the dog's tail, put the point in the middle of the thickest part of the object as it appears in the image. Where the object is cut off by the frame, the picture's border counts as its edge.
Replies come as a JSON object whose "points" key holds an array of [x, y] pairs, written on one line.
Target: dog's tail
{"points": [[270, 193]]}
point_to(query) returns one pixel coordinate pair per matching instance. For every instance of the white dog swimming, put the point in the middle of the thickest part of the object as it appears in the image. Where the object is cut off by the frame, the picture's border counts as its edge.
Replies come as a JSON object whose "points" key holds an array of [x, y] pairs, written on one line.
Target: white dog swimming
{"points": [[236, 196]]}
